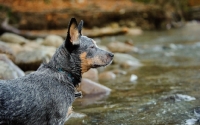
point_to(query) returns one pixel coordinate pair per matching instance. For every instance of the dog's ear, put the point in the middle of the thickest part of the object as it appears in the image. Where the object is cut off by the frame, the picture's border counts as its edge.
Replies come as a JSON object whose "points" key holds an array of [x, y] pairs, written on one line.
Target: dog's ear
{"points": [[73, 34]]}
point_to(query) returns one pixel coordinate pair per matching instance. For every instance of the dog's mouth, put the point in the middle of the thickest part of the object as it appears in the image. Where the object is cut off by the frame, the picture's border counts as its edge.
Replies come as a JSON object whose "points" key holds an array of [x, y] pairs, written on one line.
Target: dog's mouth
{"points": [[103, 61], [96, 66], [102, 65]]}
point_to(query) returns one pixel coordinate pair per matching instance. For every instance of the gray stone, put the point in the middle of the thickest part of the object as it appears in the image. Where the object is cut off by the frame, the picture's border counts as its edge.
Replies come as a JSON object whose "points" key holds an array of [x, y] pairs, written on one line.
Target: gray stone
{"points": [[5, 49], [106, 76], [13, 38], [120, 47], [53, 40], [16, 48], [8, 70], [126, 58], [91, 74], [90, 87], [31, 60]]}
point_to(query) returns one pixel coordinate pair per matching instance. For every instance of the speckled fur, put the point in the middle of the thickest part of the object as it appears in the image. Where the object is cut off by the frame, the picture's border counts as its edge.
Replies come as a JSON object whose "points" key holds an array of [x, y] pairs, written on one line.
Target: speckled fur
{"points": [[44, 96]]}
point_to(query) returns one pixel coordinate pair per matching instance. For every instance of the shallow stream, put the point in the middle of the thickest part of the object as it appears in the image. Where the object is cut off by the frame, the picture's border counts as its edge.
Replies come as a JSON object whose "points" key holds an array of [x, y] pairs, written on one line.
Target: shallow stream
{"points": [[167, 91]]}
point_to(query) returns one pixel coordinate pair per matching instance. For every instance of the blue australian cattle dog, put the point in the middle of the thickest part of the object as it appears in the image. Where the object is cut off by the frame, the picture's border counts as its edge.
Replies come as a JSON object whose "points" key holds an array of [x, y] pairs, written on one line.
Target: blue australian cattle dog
{"points": [[45, 96]]}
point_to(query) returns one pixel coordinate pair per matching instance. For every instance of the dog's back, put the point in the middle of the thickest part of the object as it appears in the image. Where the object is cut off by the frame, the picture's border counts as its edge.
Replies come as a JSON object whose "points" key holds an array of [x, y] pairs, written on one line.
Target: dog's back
{"points": [[36, 98]]}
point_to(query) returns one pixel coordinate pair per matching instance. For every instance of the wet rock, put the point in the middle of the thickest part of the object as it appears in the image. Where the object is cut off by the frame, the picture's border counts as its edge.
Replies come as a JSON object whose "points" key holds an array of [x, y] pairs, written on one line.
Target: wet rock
{"points": [[91, 74], [13, 38], [5, 49], [78, 115], [126, 60], [191, 121], [197, 112], [90, 87], [178, 98], [106, 76], [31, 60], [133, 78], [120, 47], [8, 70], [53, 40], [181, 97]]}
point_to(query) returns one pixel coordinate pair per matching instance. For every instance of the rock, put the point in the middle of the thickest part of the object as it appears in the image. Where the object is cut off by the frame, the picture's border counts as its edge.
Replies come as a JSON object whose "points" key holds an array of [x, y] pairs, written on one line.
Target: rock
{"points": [[53, 40], [91, 74], [103, 47], [105, 76], [181, 97], [106, 31], [13, 38], [191, 121], [89, 87], [31, 46], [133, 78], [120, 47], [16, 48], [114, 25], [39, 40], [119, 72], [128, 64], [197, 112], [126, 58], [134, 31], [31, 60], [5, 49], [8, 70], [178, 98]]}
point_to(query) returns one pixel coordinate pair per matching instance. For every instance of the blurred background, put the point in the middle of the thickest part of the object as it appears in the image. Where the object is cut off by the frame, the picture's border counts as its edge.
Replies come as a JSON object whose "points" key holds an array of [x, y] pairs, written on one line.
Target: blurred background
{"points": [[154, 77], [53, 14]]}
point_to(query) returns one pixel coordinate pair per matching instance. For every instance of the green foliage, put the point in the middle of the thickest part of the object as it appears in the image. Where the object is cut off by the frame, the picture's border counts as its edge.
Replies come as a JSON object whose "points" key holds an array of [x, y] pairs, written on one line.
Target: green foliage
{"points": [[5, 10]]}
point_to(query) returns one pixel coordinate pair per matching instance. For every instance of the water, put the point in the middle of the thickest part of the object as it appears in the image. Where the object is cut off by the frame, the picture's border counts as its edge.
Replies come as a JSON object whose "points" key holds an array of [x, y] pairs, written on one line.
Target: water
{"points": [[166, 91]]}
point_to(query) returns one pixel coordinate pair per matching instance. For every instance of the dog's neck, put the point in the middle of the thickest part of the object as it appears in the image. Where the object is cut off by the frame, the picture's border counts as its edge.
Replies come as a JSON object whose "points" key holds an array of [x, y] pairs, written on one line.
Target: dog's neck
{"points": [[63, 61]]}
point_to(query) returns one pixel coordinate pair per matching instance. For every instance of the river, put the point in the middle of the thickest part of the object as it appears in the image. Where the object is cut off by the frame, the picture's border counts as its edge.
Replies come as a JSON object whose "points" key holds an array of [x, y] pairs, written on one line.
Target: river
{"points": [[167, 90]]}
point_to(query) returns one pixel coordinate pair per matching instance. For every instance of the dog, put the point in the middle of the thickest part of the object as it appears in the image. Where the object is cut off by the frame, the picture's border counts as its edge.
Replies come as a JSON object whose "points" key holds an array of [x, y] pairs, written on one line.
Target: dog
{"points": [[43, 97]]}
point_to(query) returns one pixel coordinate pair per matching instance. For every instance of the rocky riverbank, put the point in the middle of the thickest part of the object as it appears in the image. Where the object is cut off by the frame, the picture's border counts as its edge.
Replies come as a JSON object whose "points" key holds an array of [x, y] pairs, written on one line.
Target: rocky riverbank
{"points": [[20, 56], [53, 14]]}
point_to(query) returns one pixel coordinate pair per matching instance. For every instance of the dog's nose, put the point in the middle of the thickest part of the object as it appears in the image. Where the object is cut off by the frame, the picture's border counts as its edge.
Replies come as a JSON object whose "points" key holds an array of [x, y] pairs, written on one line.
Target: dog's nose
{"points": [[111, 54]]}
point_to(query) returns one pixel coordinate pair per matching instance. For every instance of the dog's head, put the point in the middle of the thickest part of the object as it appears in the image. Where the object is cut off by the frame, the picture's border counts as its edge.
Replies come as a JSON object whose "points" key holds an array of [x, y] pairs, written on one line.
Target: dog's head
{"points": [[85, 49]]}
